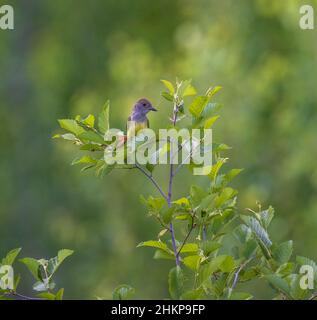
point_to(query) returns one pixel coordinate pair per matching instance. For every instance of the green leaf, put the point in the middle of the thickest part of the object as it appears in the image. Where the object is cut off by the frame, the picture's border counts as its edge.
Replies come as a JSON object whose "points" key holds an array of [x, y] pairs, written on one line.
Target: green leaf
{"points": [[103, 118], [278, 283], [123, 292], [176, 282], [198, 105], [189, 247], [91, 136], [196, 195], [11, 256], [167, 96], [89, 121], [216, 167], [283, 252], [267, 216], [192, 262], [154, 203], [296, 291], [160, 254], [47, 296], [210, 121], [66, 136], [33, 265], [240, 296], [84, 160], [225, 195], [257, 229], [182, 202], [210, 246], [192, 295], [285, 269], [167, 215], [189, 91], [169, 86], [63, 254], [59, 295], [71, 126], [227, 265], [155, 244], [212, 91], [242, 233]]}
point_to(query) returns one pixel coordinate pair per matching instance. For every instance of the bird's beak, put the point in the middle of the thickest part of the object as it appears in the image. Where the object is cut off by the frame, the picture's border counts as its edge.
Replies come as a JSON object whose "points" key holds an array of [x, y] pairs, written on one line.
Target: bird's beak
{"points": [[153, 109]]}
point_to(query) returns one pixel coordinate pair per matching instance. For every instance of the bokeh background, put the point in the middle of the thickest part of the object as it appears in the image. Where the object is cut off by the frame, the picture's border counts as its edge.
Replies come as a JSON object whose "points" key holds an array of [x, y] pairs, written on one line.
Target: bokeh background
{"points": [[68, 57]]}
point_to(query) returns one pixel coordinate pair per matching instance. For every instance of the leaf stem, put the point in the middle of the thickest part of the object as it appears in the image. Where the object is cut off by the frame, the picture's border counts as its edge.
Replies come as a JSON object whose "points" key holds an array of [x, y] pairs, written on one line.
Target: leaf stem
{"points": [[169, 195]]}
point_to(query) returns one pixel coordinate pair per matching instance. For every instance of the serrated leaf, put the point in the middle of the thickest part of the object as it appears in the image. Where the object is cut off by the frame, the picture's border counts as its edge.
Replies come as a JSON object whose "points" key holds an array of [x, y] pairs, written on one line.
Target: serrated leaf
{"points": [[175, 282]]}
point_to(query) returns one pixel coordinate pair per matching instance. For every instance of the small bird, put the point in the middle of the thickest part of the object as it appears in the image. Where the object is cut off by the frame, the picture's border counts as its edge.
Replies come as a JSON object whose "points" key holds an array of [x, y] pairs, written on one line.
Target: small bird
{"points": [[138, 117]]}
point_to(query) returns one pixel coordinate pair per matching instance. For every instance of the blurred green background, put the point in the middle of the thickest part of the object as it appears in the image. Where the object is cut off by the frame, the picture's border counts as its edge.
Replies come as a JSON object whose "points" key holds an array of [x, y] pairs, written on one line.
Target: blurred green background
{"points": [[67, 57]]}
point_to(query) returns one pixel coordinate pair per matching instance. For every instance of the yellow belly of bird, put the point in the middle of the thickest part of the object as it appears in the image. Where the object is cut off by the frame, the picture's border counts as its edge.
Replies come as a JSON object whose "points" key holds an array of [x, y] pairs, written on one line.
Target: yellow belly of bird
{"points": [[134, 129]]}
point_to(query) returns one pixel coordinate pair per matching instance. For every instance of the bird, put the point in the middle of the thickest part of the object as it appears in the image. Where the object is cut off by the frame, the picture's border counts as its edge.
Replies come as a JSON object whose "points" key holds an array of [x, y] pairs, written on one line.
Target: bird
{"points": [[138, 119]]}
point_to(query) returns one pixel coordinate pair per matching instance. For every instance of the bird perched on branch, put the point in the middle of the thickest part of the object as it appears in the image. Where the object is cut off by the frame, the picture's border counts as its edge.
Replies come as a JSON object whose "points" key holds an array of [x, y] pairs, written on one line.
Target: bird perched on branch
{"points": [[138, 119]]}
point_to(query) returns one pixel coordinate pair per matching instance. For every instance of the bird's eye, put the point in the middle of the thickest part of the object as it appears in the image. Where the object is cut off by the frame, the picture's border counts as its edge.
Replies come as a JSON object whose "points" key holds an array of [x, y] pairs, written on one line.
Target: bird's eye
{"points": [[144, 104]]}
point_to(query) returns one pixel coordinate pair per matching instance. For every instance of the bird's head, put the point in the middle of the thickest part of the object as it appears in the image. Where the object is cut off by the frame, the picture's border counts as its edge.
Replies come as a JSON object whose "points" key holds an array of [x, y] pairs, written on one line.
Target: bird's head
{"points": [[143, 106]]}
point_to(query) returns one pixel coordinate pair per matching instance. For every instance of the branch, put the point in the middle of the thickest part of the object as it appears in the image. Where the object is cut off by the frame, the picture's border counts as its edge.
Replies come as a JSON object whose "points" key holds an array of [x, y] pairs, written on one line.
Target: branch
{"points": [[22, 296], [188, 234], [169, 195], [236, 275], [153, 181]]}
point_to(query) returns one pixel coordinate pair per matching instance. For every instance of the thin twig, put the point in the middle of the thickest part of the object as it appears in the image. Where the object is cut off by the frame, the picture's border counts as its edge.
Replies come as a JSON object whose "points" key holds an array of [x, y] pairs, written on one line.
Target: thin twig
{"points": [[153, 181], [236, 275], [188, 233], [22, 296]]}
